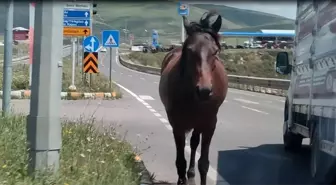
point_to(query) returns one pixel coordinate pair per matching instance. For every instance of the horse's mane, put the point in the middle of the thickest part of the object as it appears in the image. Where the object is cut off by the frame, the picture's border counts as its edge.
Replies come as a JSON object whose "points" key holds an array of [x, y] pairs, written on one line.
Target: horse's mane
{"points": [[204, 26]]}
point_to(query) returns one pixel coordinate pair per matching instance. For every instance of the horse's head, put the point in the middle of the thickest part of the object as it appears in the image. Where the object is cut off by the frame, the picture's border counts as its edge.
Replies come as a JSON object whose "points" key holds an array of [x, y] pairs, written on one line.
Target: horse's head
{"points": [[200, 51]]}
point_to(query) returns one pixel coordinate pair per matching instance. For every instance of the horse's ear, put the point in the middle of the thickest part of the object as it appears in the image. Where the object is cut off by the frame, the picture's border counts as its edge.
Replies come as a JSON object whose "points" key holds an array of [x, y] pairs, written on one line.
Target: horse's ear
{"points": [[211, 20], [216, 22], [186, 25]]}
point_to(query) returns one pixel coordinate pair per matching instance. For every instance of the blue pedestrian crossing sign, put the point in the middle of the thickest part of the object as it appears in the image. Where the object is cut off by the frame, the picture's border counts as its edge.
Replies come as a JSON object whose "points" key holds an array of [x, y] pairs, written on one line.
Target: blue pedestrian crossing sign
{"points": [[91, 44], [110, 38]]}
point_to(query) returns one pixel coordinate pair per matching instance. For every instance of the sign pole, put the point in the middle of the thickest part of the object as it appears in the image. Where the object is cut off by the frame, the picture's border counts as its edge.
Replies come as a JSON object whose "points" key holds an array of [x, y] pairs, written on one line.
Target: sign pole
{"points": [[110, 38], [8, 52], [72, 86], [77, 52], [182, 9], [31, 39], [110, 76], [182, 32], [44, 131]]}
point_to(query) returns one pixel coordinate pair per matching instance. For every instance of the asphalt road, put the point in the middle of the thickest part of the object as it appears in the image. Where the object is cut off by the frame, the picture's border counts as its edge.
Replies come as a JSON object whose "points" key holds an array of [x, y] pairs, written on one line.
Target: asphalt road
{"points": [[246, 147]]}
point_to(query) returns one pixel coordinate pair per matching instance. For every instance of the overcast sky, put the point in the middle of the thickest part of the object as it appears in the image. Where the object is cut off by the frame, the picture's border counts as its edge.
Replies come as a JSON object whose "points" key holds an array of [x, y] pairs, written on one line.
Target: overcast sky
{"points": [[282, 8]]}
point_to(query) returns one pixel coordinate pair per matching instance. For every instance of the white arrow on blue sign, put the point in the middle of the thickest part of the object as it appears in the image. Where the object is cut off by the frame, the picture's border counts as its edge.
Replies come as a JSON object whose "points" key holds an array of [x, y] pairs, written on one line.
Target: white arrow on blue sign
{"points": [[91, 44], [76, 14], [110, 38]]}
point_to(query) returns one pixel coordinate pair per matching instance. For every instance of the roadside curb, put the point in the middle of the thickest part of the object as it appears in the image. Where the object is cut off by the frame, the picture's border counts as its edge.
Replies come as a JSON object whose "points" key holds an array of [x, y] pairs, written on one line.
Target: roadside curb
{"points": [[235, 78], [25, 94], [145, 178]]}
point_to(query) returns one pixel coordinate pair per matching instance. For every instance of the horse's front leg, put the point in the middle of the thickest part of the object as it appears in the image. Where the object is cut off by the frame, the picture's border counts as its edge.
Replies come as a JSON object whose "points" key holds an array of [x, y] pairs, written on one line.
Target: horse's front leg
{"points": [[203, 162], [194, 142], [181, 163]]}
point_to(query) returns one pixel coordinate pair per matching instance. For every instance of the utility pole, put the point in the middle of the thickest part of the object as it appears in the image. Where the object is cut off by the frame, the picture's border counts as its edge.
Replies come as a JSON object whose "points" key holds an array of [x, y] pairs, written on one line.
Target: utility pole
{"points": [[8, 56], [31, 39], [43, 123]]}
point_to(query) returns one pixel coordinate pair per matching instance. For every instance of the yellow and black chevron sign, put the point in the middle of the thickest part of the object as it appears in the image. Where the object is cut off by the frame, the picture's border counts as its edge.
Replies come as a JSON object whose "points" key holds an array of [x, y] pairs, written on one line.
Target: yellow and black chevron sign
{"points": [[90, 62]]}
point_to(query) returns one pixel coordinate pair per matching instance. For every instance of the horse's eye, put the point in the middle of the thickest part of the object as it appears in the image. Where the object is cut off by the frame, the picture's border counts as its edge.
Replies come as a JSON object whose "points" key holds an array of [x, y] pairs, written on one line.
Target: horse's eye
{"points": [[216, 52]]}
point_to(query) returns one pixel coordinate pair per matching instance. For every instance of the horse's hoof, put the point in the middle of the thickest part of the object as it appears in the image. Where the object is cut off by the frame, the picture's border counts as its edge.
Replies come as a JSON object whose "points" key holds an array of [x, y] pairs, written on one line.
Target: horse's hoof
{"points": [[182, 182]]}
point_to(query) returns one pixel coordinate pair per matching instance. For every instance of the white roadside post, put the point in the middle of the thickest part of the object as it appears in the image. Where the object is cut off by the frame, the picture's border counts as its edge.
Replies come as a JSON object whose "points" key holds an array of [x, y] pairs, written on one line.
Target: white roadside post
{"points": [[72, 87]]}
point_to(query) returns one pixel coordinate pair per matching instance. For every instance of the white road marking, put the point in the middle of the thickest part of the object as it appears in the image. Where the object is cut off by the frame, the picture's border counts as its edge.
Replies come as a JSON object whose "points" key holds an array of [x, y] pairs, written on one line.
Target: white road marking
{"points": [[256, 110], [212, 173], [156, 82], [168, 127], [157, 114], [283, 101], [163, 120], [129, 75], [146, 104], [246, 101], [148, 107], [142, 78], [146, 97], [113, 70]]}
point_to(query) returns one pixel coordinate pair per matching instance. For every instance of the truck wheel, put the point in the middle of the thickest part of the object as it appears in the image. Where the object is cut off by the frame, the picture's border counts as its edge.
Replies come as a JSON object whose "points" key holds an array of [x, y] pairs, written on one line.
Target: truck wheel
{"points": [[291, 140], [315, 153]]}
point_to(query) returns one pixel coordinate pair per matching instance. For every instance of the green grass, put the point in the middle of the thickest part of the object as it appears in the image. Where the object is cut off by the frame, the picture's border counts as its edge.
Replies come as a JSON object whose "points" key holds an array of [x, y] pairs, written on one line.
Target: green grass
{"points": [[257, 63], [100, 83], [89, 156]]}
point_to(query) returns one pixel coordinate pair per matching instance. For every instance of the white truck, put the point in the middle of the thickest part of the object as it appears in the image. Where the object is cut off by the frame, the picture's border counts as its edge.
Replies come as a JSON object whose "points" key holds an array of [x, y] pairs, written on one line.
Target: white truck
{"points": [[310, 107]]}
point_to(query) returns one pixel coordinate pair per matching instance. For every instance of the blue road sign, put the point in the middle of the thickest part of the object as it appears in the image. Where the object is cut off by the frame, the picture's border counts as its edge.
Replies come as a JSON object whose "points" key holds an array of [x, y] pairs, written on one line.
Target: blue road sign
{"points": [[110, 38], [76, 13], [76, 23], [182, 8], [91, 44], [155, 38]]}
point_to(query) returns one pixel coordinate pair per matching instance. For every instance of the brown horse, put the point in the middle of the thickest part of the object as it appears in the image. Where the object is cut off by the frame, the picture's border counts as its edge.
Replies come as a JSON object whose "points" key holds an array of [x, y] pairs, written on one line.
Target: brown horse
{"points": [[193, 85]]}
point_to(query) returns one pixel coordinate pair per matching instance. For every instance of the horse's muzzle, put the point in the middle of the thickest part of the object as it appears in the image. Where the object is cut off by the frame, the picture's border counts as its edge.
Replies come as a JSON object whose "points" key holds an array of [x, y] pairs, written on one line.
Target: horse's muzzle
{"points": [[204, 93]]}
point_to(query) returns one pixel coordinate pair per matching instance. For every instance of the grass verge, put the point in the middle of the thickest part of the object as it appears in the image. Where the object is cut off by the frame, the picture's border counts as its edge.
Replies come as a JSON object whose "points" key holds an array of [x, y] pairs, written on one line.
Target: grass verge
{"points": [[100, 83], [89, 156], [258, 63]]}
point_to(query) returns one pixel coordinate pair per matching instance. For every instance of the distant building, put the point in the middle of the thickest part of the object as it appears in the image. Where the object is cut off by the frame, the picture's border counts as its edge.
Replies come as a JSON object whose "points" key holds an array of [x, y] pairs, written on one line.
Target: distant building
{"points": [[20, 34]]}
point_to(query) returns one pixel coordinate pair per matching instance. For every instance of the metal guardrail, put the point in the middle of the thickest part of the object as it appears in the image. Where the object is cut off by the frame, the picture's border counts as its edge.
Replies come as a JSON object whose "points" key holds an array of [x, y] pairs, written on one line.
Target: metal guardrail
{"points": [[272, 86], [27, 56]]}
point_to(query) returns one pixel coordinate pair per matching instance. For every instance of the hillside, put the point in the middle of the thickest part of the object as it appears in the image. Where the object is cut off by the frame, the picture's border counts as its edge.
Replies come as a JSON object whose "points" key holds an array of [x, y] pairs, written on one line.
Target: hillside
{"points": [[163, 17], [138, 17], [246, 18]]}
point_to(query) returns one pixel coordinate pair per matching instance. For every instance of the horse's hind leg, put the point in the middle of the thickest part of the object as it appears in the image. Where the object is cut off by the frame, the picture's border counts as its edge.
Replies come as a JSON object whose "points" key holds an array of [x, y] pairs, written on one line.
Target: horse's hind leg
{"points": [[194, 141], [181, 163], [203, 162]]}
